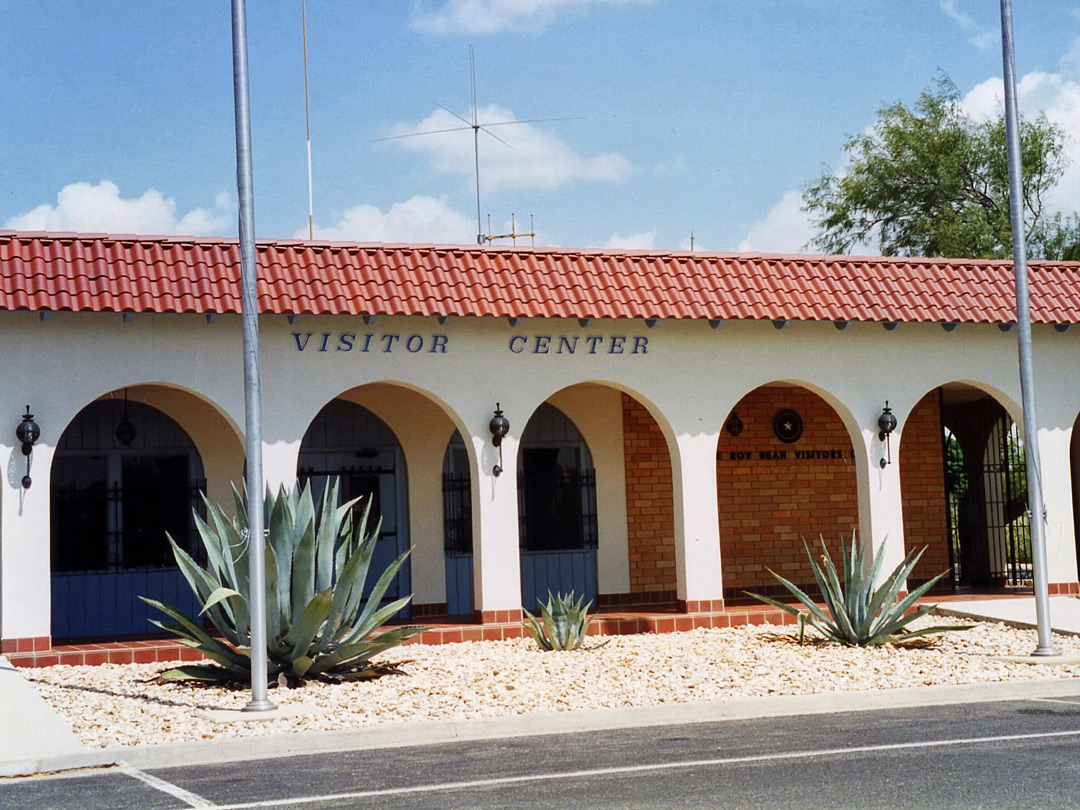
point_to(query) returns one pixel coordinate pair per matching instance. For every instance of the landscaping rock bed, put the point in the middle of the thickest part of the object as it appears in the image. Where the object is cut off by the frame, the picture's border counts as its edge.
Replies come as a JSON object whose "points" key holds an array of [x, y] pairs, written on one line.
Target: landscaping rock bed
{"points": [[124, 705]]}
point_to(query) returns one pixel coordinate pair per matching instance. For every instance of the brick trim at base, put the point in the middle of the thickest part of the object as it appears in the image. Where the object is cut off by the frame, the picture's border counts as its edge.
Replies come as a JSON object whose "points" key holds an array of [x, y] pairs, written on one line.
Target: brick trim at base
{"points": [[699, 605], [28, 644], [1063, 588], [512, 616]]}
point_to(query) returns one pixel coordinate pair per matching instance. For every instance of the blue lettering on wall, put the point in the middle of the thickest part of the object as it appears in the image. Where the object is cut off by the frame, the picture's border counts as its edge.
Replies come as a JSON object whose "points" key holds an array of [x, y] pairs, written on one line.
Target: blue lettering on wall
{"points": [[440, 344]]}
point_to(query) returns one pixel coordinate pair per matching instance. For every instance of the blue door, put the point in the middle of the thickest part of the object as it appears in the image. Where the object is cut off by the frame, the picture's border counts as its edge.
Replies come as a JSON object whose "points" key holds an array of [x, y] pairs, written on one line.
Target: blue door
{"points": [[557, 525], [124, 475], [350, 443]]}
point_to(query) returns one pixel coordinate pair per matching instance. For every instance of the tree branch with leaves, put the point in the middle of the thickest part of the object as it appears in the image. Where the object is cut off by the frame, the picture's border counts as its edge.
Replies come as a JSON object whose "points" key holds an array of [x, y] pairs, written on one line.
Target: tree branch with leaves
{"points": [[929, 180]]}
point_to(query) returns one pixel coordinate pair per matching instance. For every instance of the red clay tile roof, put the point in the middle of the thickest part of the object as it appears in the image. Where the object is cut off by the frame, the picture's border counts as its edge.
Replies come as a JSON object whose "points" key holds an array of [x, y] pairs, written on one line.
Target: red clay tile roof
{"points": [[102, 273]]}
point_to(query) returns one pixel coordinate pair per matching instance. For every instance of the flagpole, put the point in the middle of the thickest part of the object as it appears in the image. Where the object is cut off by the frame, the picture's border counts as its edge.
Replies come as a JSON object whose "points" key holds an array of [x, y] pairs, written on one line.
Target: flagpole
{"points": [[1023, 330], [307, 124], [252, 394]]}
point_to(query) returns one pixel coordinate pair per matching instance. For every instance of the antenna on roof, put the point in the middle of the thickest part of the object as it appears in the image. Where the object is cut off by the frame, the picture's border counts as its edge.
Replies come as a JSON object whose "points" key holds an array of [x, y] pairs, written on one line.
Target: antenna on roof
{"points": [[307, 123], [514, 233], [691, 241], [477, 128]]}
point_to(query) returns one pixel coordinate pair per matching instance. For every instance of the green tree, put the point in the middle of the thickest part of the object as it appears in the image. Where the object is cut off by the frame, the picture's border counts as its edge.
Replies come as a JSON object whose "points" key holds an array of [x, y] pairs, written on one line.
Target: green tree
{"points": [[931, 181]]}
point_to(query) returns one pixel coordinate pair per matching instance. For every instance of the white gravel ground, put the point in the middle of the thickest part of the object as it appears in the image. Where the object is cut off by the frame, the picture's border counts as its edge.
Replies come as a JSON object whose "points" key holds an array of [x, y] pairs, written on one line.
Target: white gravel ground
{"points": [[116, 705]]}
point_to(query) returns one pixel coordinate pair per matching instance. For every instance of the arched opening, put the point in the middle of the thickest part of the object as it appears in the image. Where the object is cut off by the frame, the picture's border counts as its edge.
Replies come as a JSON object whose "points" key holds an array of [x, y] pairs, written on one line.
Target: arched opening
{"points": [[557, 520], [457, 527], [785, 473], [348, 442], [123, 475], [985, 485]]}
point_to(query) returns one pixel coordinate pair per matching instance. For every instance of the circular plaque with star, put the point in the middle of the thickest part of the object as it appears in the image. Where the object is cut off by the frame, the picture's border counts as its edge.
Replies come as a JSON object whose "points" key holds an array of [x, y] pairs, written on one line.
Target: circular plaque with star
{"points": [[787, 426]]}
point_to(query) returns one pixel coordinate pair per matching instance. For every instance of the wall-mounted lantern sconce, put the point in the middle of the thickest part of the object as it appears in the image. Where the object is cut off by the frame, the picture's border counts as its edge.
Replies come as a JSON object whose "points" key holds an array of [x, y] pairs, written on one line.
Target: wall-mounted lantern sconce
{"points": [[125, 431], [27, 432], [499, 427], [886, 424], [734, 424]]}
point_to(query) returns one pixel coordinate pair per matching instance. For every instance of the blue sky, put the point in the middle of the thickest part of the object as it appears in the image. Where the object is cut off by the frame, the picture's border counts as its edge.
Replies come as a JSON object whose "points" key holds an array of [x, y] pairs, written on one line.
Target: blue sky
{"points": [[703, 116]]}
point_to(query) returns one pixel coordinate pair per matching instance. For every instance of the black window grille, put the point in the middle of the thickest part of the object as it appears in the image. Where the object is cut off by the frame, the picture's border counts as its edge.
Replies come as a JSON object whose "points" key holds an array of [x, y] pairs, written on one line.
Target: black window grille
{"points": [[457, 514], [103, 526], [557, 512]]}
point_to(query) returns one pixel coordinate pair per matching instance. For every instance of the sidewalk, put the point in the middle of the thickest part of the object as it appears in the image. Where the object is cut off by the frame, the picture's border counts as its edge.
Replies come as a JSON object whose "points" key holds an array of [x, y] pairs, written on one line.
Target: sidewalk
{"points": [[35, 740], [1064, 612]]}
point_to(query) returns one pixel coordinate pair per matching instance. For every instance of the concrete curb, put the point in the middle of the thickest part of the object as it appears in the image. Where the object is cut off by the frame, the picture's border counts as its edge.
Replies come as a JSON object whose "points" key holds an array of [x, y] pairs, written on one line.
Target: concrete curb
{"points": [[33, 738], [433, 732]]}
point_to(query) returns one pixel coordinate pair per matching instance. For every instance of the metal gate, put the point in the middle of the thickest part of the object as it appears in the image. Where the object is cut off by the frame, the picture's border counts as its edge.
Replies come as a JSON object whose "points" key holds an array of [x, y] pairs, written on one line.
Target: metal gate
{"points": [[557, 516], [114, 495], [986, 487], [347, 441]]}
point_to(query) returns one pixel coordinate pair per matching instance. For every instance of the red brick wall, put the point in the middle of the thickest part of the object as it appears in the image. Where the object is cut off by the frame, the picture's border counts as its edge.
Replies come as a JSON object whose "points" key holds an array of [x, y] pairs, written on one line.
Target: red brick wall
{"points": [[922, 489], [768, 505], [649, 502]]}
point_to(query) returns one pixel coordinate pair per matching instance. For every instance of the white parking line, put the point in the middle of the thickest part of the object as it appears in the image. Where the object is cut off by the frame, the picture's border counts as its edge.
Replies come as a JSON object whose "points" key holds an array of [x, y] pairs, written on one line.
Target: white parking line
{"points": [[192, 799], [663, 766], [1057, 700]]}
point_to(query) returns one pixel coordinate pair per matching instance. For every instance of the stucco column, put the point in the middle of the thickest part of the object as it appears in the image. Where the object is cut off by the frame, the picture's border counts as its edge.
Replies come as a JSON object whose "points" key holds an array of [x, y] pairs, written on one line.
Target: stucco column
{"points": [[25, 589], [881, 517], [496, 560], [699, 584], [597, 414], [428, 557], [279, 463], [1059, 528]]}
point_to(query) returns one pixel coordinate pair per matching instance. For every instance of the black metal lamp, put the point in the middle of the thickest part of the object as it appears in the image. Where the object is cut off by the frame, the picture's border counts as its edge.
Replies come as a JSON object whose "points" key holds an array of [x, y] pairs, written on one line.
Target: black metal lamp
{"points": [[734, 424], [125, 431], [27, 432], [886, 425], [499, 427]]}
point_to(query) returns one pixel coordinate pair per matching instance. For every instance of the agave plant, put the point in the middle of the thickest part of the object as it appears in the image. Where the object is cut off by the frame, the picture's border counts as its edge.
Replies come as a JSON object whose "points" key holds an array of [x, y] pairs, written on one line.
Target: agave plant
{"points": [[563, 624], [318, 623], [856, 613]]}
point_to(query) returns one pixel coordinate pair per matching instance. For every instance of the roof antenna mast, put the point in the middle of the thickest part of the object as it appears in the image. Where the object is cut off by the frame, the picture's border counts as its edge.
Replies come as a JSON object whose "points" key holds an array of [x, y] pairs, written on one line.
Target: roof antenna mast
{"points": [[476, 143], [476, 127], [307, 124]]}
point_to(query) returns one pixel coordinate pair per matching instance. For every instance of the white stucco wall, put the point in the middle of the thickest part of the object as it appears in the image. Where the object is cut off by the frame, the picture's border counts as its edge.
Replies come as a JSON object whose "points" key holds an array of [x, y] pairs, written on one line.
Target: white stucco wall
{"points": [[688, 375]]}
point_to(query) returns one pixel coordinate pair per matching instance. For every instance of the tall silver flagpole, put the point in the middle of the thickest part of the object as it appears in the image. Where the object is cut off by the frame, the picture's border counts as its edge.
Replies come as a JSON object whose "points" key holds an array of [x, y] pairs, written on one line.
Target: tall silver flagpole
{"points": [[1023, 329], [252, 394]]}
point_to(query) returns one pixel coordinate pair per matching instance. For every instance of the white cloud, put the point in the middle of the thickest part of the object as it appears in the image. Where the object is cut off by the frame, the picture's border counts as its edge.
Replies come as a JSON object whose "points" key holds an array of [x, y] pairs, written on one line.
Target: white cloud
{"points": [[635, 241], [418, 219], [493, 16], [533, 159], [1070, 62], [982, 38], [1050, 93], [86, 208], [785, 229]]}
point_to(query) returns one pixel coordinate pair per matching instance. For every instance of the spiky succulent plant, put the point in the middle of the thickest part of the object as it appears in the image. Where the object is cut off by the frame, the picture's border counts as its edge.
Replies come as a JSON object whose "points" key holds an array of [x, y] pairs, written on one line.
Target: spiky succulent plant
{"points": [[563, 624], [319, 624], [856, 613]]}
